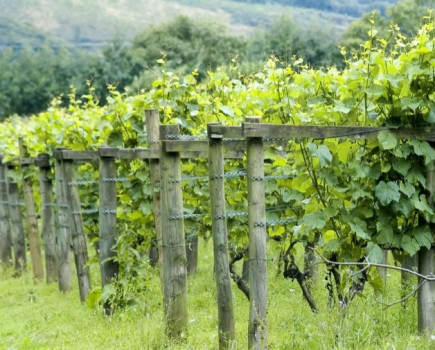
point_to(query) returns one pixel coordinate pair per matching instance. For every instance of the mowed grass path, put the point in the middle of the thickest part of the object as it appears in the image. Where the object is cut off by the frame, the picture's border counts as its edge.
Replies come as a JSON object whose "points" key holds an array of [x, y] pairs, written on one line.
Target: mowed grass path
{"points": [[38, 316]]}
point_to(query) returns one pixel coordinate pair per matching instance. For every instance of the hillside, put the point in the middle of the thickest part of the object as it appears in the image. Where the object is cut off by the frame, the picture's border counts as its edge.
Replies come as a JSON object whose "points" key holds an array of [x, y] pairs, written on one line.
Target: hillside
{"points": [[90, 25]]}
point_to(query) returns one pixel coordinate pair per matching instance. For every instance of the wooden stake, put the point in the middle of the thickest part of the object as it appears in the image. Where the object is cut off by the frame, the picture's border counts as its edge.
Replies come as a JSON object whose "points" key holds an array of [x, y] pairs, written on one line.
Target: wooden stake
{"points": [[78, 235], [32, 224], [63, 231], [17, 229], [48, 226], [5, 229], [173, 242], [426, 266], [153, 135], [108, 205], [220, 243], [257, 330]]}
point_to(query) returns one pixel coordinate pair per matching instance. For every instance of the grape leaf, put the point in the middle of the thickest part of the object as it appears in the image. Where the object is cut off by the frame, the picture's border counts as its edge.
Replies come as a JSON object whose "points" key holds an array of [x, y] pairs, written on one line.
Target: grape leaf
{"points": [[387, 192], [374, 253], [410, 245], [314, 220], [423, 236], [321, 152], [387, 140]]}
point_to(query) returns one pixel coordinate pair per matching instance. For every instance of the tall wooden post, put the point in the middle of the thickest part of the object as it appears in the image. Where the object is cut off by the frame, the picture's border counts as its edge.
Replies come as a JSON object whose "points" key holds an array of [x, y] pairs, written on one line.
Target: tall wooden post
{"points": [[153, 135], [108, 205], [78, 235], [173, 242], [257, 330], [5, 229], [48, 226], [408, 282], [32, 224], [220, 242], [17, 229], [426, 266], [63, 231]]}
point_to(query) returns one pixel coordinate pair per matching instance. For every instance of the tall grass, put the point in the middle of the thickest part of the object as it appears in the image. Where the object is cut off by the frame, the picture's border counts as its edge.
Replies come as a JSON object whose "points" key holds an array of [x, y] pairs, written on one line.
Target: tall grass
{"points": [[37, 316]]}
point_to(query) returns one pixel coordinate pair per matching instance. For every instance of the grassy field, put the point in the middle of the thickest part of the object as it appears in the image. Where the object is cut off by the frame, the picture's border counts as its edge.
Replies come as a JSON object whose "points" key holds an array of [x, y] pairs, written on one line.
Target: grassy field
{"points": [[37, 316]]}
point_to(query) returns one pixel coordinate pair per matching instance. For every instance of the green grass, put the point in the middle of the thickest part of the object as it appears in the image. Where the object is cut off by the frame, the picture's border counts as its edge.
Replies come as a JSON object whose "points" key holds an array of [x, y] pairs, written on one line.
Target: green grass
{"points": [[39, 317]]}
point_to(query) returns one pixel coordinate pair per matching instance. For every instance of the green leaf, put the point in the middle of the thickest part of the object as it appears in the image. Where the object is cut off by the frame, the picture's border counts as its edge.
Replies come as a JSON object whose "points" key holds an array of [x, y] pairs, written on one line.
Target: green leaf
{"points": [[421, 204], [385, 232], [321, 153], [333, 245], [405, 207], [227, 111], [341, 107], [415, 175], [423, 236], [430, 117], [387, 192], [402, 166], [410, 245], [423, 148], [374, 253], [314, 220], [410, 102], [387, 140], [359, 227], [407, 189], [115, 139]]}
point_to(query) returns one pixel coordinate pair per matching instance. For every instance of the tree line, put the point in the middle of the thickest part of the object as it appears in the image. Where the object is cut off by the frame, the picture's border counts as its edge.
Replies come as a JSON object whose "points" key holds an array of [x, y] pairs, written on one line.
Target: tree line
{"points": [[31, 78]]}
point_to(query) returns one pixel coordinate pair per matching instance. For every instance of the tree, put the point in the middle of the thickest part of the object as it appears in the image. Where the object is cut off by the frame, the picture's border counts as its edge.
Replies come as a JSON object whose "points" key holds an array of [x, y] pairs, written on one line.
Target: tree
{"points": [[186, 45]]}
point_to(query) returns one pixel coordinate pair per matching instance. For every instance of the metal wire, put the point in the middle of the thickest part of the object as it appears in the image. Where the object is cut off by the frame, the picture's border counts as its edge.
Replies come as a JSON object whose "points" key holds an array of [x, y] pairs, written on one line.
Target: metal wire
{"points": [[229, 175], [186, 137], [232, 214], [186, 216], [115, 179], [82, 182], [282, 221], [85, 211]]}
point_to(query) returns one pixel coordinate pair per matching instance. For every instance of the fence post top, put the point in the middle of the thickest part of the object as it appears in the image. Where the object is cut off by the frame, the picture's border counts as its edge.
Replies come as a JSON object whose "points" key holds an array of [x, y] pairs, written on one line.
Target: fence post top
{"points": [[169, 129], [43, 160], [252, 119], [210, 133]]}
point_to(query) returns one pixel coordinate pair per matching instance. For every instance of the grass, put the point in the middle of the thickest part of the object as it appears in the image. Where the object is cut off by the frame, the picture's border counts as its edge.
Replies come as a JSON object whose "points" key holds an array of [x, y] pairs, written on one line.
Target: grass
{"points": [[37, 316]]}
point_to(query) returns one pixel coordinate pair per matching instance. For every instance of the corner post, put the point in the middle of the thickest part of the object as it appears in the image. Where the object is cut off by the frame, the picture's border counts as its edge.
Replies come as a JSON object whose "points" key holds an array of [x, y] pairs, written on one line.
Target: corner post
{"points": [[48, 226], [173, 241], [108, 206], [220, 241], [257, 330]]}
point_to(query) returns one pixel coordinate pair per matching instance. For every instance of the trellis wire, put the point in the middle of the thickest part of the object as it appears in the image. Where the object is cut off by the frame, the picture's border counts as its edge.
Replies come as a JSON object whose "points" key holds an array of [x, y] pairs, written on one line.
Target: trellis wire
{"points": [[81, 182], [200, 137], [115, 179]]}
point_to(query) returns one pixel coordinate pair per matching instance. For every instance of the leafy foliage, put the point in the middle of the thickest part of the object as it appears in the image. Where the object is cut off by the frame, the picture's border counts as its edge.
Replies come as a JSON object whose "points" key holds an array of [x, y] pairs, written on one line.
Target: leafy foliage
{"points": [[350, 198]]}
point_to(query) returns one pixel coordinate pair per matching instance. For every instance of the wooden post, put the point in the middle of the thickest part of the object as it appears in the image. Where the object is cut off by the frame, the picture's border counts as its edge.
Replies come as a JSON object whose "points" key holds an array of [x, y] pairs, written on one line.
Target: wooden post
{"points": [[77, 231], [426, 266], [108, 205], [192, 252], [17, 229], [32, 224], [257, 330], [173, 242], [153, 135], [426, 293], [220, 242], [63, 232], [408, 281], [48, 226], [5, 229]]}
